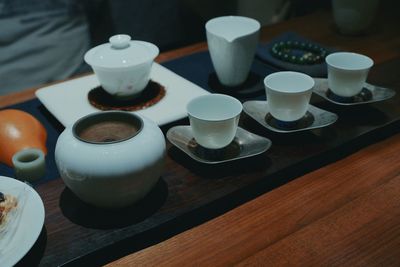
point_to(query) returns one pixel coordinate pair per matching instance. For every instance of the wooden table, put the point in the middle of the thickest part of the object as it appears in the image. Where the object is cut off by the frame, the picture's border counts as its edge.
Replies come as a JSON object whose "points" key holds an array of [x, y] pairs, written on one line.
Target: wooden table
{"points": [[346, 213]]}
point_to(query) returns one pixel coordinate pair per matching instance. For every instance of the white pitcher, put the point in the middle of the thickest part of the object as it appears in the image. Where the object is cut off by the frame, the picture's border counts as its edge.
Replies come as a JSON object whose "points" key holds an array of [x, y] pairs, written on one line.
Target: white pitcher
{"points": [[232, 42]]}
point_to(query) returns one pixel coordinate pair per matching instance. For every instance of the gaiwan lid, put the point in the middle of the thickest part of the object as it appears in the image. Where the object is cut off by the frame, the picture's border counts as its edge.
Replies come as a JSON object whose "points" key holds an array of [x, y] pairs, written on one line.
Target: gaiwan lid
{"points": [[121, 52]]}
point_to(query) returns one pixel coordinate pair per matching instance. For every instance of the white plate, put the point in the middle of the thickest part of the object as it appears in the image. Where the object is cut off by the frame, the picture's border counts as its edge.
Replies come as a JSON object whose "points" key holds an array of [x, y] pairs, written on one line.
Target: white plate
{"points": [[30, 224], [68, 101]]}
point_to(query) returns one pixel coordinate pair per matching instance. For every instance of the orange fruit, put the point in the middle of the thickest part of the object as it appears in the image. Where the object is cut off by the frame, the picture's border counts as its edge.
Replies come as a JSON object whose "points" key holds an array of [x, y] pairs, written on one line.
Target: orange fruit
{"points": [[19, 130]]}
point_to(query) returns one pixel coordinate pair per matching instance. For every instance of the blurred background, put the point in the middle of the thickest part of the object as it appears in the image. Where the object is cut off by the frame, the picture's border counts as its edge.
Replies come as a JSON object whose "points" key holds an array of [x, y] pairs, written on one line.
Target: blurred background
{"points": [[44, 40], [174, 23]]}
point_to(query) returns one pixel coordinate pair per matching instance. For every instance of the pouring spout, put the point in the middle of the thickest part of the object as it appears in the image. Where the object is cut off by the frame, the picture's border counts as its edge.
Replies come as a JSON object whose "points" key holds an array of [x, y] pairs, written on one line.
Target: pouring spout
{"points": [[231, 39], [232, 28]]}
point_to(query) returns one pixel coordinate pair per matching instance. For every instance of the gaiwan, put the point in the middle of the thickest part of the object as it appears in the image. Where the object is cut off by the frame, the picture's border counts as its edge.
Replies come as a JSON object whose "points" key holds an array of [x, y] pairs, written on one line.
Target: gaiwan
{"points": [[111, 159]]}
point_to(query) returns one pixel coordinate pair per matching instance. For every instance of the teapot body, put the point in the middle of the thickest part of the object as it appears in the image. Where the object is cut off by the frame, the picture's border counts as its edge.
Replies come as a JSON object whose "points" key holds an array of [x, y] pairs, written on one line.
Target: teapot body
{"points": [[111, 173]]}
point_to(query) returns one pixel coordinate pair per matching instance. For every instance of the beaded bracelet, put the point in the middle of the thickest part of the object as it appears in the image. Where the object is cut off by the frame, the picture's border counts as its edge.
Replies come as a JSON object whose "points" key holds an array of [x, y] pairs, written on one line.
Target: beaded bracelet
{"points": [[290, 51]]}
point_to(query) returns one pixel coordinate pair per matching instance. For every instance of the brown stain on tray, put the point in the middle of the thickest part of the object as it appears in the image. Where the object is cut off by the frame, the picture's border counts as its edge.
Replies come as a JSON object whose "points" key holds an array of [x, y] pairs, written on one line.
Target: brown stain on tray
{"points": [[150, 96]]}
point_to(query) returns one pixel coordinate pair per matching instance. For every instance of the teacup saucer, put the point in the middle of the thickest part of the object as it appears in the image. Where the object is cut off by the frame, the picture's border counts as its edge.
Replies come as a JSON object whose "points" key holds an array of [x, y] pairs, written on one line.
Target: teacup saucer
{"points": [[244, 145], [314, 118], [369, 94]]}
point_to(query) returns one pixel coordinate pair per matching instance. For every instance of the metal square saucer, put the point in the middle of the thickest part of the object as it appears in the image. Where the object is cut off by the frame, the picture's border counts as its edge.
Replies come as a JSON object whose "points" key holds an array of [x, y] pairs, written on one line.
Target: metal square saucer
{"points": [[315, 118], [369, 94], [244, 145]]}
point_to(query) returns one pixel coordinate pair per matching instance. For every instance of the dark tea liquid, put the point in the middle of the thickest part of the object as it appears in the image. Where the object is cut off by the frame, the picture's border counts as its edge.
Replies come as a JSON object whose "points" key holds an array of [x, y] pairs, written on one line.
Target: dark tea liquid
{"points": [[108, 131]]}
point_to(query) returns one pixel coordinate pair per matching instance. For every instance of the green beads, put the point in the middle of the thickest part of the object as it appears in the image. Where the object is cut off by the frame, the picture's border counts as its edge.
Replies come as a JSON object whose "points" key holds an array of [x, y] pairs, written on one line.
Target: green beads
{"points": [[312, 53]]}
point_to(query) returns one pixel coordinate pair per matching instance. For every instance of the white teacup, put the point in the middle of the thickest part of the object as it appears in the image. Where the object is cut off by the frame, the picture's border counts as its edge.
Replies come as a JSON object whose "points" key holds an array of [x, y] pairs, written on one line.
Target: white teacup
{"points": [[347, 72], [232, 42], [288, 94], [214, 119]]}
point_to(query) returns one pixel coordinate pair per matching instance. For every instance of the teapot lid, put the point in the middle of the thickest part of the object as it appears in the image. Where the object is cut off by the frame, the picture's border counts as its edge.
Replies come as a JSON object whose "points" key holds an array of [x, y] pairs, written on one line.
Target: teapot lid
{"points": [[121, 52]]}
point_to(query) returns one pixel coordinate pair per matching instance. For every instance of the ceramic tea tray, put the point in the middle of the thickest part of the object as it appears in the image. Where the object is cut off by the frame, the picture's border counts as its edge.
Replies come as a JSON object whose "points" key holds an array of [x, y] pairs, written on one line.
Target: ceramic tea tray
{"points": [[369, 94], [244, 145], [315, 118], [68, 101]]}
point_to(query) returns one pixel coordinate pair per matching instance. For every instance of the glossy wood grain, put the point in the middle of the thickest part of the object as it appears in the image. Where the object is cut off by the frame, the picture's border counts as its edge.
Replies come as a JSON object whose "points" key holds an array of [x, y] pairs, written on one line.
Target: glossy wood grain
{"points": [[347, 213]]}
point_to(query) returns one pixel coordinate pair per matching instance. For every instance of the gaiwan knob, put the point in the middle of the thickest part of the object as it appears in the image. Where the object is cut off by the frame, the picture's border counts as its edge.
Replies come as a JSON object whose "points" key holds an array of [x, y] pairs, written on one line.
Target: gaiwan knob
{"points": [[120, 41]]}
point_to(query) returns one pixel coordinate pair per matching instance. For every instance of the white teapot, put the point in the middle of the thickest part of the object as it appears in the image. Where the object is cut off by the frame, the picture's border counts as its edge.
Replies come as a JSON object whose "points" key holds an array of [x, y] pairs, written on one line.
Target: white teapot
{"points": [[111, 159]]}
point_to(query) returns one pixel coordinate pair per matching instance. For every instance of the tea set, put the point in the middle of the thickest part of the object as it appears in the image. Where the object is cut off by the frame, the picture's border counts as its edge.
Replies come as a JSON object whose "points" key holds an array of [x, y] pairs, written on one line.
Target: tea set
{"points": [[112, 159]]}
